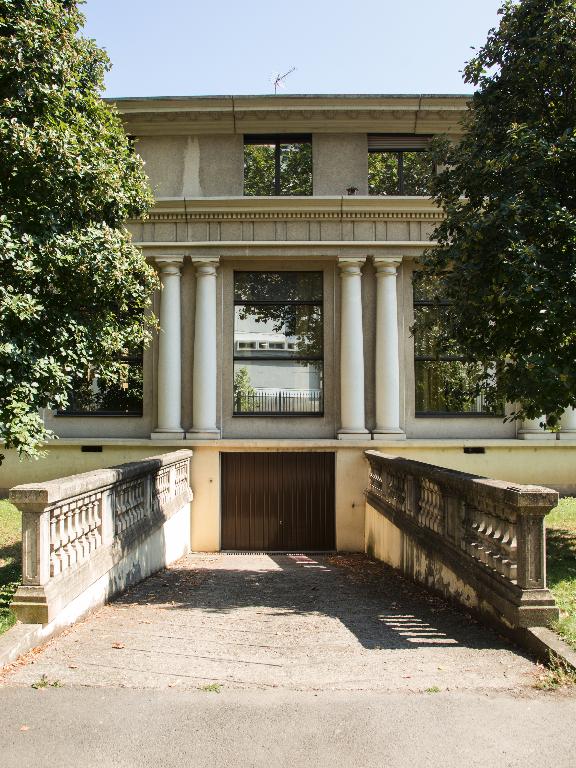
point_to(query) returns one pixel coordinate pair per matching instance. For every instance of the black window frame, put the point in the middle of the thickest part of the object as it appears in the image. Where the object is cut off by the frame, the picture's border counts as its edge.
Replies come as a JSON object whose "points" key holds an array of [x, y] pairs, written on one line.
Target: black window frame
{"points": [[135, 359], [277, 140], [440, 358], [236, 358], [421, 143]]}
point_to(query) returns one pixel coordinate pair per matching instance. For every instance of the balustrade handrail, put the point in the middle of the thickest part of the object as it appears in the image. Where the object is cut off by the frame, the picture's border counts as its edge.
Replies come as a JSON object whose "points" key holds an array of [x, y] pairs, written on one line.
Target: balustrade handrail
{"points": [[90, 516], [522, 497], [493, 525], [61, 489]]}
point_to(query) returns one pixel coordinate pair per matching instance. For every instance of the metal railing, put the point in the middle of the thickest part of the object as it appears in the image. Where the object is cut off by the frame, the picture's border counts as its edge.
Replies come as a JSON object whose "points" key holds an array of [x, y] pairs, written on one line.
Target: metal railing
{"points": [[282, 401]]}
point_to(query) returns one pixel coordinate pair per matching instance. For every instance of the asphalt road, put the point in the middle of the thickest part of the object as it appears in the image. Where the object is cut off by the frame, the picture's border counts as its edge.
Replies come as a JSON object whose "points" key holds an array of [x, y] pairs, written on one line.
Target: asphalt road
{"points": [[120, 728]]}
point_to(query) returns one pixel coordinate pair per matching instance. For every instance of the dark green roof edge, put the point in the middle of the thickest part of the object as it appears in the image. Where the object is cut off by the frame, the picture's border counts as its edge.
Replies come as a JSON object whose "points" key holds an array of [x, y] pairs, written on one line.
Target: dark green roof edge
{"points": [[298, 96]]}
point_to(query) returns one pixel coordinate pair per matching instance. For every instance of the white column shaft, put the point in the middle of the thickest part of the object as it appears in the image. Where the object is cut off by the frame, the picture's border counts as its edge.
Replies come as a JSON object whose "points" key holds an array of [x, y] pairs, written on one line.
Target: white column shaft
{"points": [[568, 425], [204, 379], [351, 350], [169, 347], [387, 349], [531, 430]]}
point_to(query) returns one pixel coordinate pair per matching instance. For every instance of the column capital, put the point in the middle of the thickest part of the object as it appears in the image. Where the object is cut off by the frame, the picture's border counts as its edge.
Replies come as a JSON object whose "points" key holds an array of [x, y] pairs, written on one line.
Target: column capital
{"points": [[351, 265], [387, 265], [206, 265], [169, 264]]}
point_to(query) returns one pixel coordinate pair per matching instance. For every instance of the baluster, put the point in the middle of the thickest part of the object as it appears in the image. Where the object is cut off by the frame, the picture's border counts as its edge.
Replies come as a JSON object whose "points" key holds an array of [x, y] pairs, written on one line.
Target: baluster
{"points": [[54, 559], [70, 550], [98, 521]]}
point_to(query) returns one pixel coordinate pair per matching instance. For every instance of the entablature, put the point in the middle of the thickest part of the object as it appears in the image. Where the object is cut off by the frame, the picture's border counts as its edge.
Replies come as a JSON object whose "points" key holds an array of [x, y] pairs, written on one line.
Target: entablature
{"points": [[419, 114]]}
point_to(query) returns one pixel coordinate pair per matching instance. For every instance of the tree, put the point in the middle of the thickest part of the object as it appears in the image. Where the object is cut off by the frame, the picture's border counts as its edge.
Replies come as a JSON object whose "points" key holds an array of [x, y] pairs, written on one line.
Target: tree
{"points": [[243, 390], [507, 248], [74, 290]]}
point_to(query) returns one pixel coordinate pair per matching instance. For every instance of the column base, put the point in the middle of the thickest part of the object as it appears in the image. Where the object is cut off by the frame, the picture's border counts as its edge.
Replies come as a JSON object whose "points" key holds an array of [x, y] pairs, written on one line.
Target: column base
{"points": [[567, 434], [533, 435], [203, 434], [388, 434], [353, 434], [167, 434]]}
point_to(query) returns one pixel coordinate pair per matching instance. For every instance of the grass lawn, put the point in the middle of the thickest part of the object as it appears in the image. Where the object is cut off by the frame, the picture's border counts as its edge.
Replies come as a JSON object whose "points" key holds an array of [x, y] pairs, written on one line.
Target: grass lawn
{"points": [[10, 560], [561, 565]]}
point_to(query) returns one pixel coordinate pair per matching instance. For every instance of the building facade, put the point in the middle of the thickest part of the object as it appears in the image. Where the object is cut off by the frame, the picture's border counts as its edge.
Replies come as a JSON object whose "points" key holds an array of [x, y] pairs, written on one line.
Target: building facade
{"points": [[286, 234]]}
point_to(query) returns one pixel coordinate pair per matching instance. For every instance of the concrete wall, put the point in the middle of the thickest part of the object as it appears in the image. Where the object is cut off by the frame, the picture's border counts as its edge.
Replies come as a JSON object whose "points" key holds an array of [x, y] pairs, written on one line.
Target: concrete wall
{"points": [[384, 541], [193, 166], [339, 161]]}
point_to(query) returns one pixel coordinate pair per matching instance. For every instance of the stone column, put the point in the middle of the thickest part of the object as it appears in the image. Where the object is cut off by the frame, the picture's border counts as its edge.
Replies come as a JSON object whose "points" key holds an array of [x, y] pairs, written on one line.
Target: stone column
{"points": [[530, 429], [169, 350], [568, 425], [387, 351], [204, 378], [352, 420]]}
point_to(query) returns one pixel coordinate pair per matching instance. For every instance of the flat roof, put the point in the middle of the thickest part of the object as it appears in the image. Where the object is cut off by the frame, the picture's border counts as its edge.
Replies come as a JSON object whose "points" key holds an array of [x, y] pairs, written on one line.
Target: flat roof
{"points": [[296, 96]]}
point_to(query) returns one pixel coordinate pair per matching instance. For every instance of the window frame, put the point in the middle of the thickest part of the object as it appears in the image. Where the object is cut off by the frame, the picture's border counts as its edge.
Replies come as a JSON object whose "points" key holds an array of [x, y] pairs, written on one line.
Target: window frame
{"points": [[277, 139], [398, 144], [133, 359], [446, 304], [237, 358]]}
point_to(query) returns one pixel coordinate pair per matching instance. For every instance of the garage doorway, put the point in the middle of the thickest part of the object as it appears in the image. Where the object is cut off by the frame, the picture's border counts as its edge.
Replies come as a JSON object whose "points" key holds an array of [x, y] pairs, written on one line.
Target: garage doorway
{"points": [[278, 502]]}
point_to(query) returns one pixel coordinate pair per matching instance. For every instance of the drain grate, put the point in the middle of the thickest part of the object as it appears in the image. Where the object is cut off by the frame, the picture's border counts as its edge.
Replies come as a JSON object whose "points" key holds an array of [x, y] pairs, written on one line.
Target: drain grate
{"points": [[277, 552]]}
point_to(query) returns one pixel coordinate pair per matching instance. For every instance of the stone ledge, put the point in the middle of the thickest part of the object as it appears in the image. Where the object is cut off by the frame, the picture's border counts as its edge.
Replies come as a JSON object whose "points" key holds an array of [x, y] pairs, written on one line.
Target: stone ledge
{"points": [[18, 640], [546, 644]]}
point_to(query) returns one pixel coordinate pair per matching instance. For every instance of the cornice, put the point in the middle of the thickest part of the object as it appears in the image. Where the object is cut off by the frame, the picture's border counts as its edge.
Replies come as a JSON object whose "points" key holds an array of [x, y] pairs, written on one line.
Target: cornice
{"points": [[312, 114], [294, 208]]}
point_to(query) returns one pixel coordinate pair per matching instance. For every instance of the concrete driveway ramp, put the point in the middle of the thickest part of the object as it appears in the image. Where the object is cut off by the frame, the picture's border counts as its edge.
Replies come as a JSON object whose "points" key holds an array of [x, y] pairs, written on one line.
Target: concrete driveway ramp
{"points": [[295, 622]]}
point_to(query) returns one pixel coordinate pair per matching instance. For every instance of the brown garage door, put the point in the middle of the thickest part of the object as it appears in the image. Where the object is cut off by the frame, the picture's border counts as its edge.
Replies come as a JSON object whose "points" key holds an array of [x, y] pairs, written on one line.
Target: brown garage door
{"points": [[280, 502]]}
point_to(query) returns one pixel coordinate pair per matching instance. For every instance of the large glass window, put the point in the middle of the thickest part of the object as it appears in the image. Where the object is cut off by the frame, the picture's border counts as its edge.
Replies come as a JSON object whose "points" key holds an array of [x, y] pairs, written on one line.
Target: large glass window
{"points": [[278, 165], [121, 397], [278, 343], [445, 383], [399, 165], [400, 172]]}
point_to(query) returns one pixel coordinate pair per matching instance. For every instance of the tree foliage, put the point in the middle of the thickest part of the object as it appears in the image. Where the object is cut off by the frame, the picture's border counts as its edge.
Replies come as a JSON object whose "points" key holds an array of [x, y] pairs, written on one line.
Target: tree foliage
{"points": [[74, 290], [295, 172], [507, 247]]}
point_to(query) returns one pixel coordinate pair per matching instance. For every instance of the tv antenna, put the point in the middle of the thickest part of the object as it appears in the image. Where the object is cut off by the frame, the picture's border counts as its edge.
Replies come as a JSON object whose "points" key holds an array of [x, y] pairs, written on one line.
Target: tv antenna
{"points": [[279, 79]]}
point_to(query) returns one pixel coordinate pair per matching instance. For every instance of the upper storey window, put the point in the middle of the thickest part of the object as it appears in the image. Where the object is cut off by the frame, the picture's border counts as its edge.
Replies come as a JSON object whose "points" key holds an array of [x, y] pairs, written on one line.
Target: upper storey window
{"points": [[278, 165], [399, 165]]}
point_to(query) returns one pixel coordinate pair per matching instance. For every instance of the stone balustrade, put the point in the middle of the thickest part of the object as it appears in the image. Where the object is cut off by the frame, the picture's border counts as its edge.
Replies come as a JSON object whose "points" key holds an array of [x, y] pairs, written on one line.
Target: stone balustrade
{"points": [[88, 536], [478, 540]]}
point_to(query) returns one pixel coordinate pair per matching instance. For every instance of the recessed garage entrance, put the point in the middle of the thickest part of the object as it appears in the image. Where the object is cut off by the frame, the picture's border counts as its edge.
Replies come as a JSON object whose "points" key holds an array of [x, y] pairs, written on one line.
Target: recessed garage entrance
{"points": [[278, 502]]}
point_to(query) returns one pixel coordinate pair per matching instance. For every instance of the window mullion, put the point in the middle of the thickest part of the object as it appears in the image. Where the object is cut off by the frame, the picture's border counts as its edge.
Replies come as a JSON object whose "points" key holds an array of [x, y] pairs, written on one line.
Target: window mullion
{"points": [[277, 168]]}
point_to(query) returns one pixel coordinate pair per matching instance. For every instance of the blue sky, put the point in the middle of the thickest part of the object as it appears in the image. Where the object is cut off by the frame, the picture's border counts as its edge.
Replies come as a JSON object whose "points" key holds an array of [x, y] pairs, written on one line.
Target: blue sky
{"points": [[186, 47]]}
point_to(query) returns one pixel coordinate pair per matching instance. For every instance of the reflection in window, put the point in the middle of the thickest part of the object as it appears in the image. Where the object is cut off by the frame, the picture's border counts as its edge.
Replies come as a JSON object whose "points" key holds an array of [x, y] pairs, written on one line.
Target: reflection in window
{"points": [[445, 383], [400, 172], [123, 396], [277, 165], [278, 343]]}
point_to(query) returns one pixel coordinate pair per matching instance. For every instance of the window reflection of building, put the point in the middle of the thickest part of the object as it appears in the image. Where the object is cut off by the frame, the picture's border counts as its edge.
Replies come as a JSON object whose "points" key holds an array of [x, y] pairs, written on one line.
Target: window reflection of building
{"points": [[278, 349]]}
